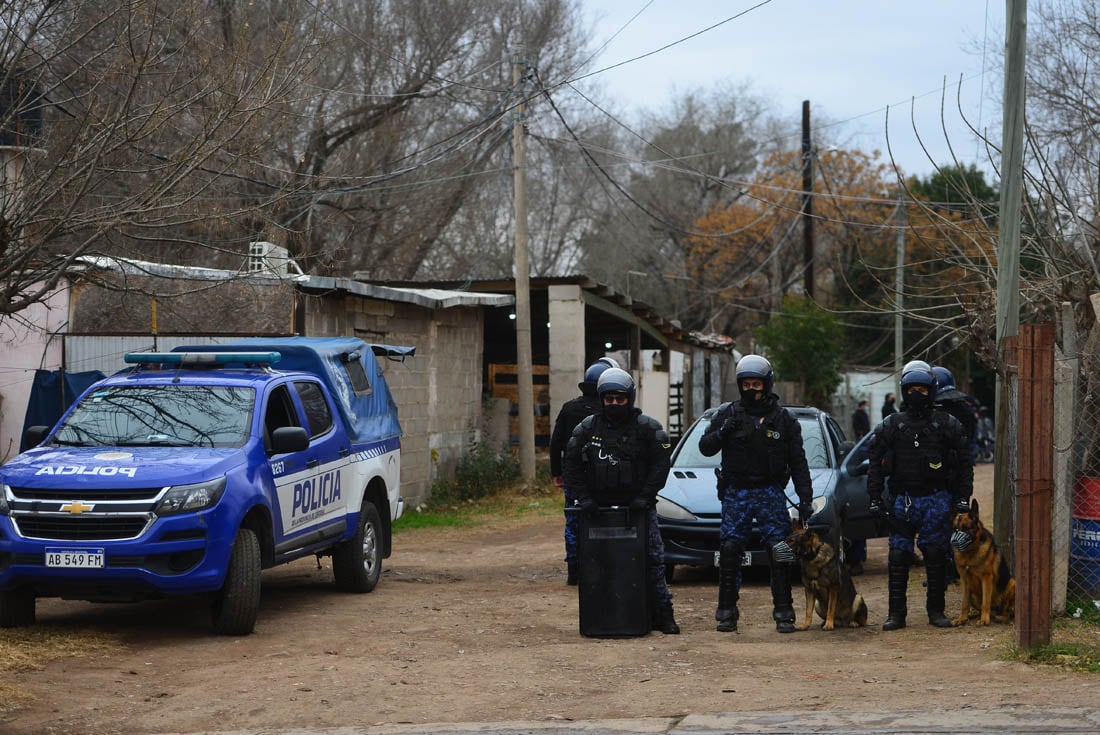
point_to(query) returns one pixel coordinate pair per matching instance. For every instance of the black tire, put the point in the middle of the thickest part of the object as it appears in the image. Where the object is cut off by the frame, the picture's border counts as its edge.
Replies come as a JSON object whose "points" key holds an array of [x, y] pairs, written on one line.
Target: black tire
{"points": [[357, 562], [670, 571], [237, 603], [17, 608]]}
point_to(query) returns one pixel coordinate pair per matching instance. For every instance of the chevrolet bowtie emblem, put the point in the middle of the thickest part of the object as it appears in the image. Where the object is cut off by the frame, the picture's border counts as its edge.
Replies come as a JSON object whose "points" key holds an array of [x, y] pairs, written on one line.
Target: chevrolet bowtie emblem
{"points": [[76, 507]]}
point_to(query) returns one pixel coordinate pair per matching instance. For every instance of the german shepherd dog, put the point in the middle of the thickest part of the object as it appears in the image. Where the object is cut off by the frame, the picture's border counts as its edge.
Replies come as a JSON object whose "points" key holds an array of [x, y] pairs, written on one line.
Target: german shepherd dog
{"points": [[827, 582], [987, 585]]}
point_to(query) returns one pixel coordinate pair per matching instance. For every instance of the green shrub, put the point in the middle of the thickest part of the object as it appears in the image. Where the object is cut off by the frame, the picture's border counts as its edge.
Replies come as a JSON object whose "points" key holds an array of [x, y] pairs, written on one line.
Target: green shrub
{"points": [[480, 472]]}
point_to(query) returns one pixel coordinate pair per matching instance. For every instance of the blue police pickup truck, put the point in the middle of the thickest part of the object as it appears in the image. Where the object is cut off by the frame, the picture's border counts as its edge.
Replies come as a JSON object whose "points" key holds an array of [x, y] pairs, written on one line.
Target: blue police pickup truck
{"points": [[192, 470]]}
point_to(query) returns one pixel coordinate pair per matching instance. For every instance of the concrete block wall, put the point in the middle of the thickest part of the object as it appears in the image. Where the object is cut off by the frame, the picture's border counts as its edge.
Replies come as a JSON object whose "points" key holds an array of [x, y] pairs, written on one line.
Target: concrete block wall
{"points": [[438, 391]]}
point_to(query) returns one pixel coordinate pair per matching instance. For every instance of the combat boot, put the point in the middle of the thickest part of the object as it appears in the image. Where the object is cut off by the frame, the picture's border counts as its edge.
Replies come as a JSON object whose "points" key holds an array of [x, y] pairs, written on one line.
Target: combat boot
{"points": [[782, 604], [897, 581], [935, 565], [571, 574], [665, 621], [729, 580]]}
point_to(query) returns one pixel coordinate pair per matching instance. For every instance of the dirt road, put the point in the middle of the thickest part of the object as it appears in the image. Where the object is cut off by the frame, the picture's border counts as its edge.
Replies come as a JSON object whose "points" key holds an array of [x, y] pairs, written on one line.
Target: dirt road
{"points": [[478, 625]]}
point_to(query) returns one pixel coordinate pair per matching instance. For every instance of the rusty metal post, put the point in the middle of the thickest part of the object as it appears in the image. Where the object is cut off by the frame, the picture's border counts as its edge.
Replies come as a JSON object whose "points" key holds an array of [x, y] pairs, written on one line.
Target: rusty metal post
{"points": [[1035, 483]]}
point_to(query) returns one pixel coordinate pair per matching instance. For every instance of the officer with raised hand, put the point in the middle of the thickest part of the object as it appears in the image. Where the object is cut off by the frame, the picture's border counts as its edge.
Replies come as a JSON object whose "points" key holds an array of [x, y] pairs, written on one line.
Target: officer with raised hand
{"points": [[620, 456], [572, 413], [924, 452], [761, 446]]}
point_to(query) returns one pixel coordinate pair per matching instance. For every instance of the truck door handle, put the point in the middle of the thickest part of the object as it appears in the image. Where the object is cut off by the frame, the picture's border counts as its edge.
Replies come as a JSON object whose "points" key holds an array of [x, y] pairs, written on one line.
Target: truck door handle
{"points": [[344, 451], [312, 463]]}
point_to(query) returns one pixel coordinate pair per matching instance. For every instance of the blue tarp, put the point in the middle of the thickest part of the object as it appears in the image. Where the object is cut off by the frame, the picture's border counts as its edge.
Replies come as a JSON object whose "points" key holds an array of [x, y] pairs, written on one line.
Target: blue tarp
{"points": [[52, 393], [369, 415]]}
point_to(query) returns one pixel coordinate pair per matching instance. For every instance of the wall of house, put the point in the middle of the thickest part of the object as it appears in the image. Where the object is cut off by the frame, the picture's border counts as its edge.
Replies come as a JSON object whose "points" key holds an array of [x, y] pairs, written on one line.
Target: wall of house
{"points": [[27, 344], [438, 391]]}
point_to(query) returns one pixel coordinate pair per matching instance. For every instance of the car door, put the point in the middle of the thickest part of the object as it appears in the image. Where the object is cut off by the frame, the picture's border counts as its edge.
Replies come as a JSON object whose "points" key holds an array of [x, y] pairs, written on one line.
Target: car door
{"points": [[852, 481], [310, 484]]}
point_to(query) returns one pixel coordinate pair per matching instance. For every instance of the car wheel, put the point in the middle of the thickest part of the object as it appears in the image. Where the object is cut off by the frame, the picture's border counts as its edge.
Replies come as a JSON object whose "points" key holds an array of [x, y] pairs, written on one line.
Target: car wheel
{"points": [[670, 570], [357, 562], [17, 607], [238, 601]]}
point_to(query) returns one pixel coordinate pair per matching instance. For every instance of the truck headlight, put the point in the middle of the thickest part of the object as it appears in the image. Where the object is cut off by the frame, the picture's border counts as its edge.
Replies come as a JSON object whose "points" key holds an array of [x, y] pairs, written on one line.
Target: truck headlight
{"points": [[185, 498], [667, 509]]}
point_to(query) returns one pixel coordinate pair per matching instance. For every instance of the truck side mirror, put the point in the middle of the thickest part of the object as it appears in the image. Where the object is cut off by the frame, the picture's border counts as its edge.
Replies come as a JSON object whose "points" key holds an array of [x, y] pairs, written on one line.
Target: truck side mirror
{"points": [[34, 436], [289, 439]]}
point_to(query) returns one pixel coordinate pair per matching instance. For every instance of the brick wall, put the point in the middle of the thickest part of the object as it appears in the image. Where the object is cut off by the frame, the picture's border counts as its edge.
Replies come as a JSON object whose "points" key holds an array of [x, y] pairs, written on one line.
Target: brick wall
{"points": [[438, 391]]}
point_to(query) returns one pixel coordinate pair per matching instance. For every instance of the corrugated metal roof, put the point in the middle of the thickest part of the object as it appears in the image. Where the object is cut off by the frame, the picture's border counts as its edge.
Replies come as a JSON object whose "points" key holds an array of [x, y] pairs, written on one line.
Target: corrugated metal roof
{"points": [[430, 298]]}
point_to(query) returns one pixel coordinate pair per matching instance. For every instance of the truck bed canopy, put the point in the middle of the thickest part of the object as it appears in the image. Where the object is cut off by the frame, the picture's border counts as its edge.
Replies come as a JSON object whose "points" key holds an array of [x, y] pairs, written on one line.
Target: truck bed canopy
{"points": [[368, 409]]}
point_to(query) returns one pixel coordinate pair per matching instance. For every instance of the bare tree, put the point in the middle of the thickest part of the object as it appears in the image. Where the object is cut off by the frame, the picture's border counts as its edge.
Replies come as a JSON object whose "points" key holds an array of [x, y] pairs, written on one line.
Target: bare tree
{"points": [[125, 122]]}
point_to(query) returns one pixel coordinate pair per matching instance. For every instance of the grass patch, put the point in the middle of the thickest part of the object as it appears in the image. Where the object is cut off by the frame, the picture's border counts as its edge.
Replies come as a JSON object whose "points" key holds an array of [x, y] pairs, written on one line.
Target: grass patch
{"points": [[30, 649], [1074, 645], [513, 503]]}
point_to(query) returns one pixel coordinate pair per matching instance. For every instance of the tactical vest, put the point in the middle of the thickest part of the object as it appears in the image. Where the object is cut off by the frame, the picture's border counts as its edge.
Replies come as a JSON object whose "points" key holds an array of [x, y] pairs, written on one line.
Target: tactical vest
{"points": [[756, 456], [921, 456], [611, 459]]}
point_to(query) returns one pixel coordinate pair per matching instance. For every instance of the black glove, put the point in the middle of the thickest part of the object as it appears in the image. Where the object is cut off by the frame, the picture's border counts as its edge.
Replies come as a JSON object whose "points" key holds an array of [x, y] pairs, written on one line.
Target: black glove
{"points": [[727, 427], [805, 510], [876, 508], [588, 505], [962, 505], [639, 504]]}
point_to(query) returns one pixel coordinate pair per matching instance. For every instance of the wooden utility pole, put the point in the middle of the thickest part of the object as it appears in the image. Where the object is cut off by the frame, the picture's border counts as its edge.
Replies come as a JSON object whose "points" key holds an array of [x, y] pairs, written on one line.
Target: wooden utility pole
{"points": [[525, 381], [807, 201], [1008, 266], [899, 296]]}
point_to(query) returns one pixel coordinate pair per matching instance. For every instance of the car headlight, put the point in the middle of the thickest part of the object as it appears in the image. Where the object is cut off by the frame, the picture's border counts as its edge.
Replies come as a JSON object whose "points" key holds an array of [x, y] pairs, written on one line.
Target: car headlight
{"points": [[4, 508], [184, 498], [667, 509]]}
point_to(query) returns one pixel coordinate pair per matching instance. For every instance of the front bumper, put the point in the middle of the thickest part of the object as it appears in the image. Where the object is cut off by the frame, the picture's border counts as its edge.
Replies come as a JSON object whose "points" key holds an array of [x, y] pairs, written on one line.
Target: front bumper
{"points": [[176, 555], [695, 543]]}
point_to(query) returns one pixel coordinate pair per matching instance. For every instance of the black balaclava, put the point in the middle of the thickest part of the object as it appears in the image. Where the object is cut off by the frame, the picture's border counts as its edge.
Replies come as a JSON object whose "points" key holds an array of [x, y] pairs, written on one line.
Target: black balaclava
{"points": [[918, 403], [617, 413]]}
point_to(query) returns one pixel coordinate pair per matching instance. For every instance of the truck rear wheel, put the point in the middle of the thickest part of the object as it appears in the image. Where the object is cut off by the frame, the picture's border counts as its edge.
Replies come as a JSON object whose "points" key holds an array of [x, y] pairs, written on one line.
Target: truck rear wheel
{"points": [[238, 601], [17, 607], [357, 562]]}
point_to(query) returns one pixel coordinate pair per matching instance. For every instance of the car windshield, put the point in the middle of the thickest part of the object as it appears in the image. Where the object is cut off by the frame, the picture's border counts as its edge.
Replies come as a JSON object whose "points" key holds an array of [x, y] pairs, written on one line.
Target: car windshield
{"points": [[162, 415], [813, 441]]}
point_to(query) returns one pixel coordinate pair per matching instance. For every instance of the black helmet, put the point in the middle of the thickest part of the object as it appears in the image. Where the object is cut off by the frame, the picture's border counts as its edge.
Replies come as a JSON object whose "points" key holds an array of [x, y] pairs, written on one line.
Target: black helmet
{"points": [[918, 376], [945, 380], [594, 371], [755, 366], [616, 380]]}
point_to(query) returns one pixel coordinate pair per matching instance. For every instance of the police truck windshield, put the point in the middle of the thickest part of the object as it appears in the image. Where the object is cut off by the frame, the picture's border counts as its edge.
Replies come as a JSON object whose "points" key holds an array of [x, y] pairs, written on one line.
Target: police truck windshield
{"points": [[162, 415]]}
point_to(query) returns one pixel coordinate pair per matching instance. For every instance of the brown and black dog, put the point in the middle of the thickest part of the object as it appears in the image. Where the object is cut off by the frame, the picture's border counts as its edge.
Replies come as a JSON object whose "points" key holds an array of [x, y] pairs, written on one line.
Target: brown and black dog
{"points": [[827, 582], [987, 584]]}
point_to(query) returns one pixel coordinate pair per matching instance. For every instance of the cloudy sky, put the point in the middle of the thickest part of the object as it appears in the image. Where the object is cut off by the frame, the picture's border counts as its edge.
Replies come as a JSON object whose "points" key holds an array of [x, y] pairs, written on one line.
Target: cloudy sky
{"points": [[853, 59]]}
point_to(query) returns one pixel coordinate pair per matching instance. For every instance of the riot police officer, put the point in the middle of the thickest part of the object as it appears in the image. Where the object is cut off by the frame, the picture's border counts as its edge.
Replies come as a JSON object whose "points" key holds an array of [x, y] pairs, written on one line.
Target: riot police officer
{"points": [[572, 413], [620, 456], [962, 406], [923, 451], [761, 446]]}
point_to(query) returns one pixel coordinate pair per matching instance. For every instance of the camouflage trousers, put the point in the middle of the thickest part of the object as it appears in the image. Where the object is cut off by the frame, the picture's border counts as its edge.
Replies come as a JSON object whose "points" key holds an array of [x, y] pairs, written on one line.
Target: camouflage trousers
{"points": [[571, 528], [768, 505], [927, 518], [656, 550]]}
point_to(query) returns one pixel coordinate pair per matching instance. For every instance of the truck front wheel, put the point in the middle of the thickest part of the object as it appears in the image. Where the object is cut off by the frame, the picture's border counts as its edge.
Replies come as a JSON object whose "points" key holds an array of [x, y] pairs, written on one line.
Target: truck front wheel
{"points": [[17, 607], [238, 601], [357, 562]]}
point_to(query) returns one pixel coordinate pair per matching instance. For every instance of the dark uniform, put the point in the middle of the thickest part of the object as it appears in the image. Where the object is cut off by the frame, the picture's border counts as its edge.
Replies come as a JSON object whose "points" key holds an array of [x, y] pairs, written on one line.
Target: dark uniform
{"points": [[625, 462], [888, 407], [572, 413], [924, 453], [761, 446], [861, 422]]}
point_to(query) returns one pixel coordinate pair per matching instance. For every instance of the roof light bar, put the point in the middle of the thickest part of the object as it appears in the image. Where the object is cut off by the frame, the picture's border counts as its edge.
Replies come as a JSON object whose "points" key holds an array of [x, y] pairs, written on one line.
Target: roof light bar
{"points": [[201, 358]]}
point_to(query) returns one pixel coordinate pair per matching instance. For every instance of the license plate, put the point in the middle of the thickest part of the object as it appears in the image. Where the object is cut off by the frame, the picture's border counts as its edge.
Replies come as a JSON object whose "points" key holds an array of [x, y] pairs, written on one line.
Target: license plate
{"points": [[746, 558], [75, 558]]}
